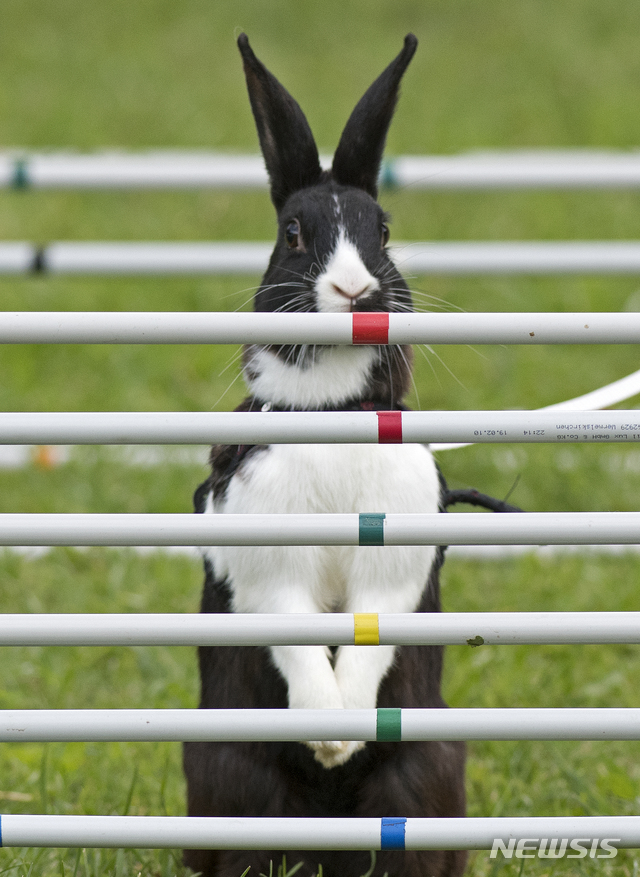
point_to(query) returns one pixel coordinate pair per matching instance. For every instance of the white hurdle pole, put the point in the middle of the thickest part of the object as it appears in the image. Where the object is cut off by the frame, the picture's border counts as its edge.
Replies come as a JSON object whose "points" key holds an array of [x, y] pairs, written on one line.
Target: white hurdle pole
{"points": [[247, 833], [245, 257], [516, 169], [153, 169], [287, 725], [152, 257], [518, 257], [431, 628], [526, 528], [16, 258], [495, 169], [342, 329], [314, 427]]}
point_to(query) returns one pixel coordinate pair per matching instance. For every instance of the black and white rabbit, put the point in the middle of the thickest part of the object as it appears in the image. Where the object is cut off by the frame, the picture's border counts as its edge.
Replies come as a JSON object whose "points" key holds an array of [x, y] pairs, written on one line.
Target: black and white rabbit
{"points": [[330, 255]]}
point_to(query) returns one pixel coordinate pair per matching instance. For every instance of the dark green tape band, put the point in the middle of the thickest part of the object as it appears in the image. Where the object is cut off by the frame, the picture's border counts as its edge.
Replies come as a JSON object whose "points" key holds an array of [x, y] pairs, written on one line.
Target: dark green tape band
{"points": [[371, 529], [20, 176], [389, 725], [387, 178]]}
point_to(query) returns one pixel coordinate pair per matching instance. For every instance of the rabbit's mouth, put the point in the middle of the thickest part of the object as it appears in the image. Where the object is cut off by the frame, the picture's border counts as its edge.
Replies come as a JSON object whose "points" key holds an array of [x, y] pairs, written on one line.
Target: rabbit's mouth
{"points": [[354, 302]]}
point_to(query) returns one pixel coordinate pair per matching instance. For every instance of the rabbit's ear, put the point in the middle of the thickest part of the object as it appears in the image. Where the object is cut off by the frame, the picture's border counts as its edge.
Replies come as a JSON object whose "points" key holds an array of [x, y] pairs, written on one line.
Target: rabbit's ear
{"points": [[359, 153], [287, 143]]}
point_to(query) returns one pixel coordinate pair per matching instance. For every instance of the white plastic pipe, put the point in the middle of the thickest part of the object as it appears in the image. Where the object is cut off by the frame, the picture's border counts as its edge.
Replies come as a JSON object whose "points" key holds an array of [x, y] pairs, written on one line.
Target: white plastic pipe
{"points": [[16, 258], [517, 169], [246, 725], [303, 427], [519, 257], [62, 327], [528, 528], [186, 725], [155, 258], [242, 832], [450, 628], [449, 257], [14, 456], [555, 169], [166, 832], [120, 170], [178, 529]]}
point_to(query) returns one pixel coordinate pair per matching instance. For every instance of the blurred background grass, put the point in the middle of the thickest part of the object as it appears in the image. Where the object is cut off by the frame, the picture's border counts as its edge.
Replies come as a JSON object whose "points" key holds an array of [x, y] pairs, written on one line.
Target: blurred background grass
{"points": [[155, 74]]}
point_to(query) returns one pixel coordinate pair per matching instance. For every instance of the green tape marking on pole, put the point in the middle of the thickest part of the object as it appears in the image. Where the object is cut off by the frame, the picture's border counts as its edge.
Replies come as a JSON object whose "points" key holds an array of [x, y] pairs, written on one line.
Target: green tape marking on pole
{"points": [[20, 176], [389, 725], [388, 179], [371, 529]]}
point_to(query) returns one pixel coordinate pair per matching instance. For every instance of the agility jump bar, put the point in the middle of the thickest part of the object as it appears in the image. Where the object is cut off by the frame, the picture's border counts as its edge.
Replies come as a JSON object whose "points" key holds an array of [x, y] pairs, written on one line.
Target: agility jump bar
{"points": [[517, 169], [367, 529], [361, 328], [319, 427], [208, 258], [291, 725], [247, 629], [258, 833]]}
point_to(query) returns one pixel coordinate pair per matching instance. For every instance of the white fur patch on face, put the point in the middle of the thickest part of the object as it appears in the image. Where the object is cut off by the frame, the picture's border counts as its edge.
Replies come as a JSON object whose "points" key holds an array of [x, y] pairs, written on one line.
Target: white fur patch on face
{"points": [[344, 279], [333, 376]]}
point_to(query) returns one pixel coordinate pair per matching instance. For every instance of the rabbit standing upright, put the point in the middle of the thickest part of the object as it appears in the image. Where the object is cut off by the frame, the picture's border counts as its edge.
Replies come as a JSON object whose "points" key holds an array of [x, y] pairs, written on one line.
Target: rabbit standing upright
{"points": [[330, 255]]}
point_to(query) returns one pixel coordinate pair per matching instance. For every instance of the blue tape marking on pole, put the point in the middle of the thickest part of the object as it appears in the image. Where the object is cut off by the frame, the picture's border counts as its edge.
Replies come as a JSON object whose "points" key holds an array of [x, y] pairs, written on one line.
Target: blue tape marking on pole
{"points": [[371, 529], [392, 832]]}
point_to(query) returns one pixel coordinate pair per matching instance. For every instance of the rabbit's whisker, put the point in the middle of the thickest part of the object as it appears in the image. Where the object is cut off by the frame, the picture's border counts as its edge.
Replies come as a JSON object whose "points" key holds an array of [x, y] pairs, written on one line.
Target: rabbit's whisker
{"points": [[232, 361], [220, 398], [430, 349], [400, 354]]}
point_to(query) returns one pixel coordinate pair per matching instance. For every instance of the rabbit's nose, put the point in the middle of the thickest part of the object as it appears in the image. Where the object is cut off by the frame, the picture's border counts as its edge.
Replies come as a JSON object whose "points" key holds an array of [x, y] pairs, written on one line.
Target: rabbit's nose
{"points": [[352, 291], [345, 279]]}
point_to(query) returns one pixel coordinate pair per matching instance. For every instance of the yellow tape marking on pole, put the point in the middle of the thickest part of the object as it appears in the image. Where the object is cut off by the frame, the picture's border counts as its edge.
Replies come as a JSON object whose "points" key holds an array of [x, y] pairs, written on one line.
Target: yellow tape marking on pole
{"points": [[365, 629]]}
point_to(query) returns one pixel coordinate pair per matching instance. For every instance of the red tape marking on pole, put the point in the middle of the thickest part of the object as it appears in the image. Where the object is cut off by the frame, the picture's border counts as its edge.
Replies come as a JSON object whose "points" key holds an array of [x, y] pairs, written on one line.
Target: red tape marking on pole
{"points": [[370, 328], [389, 427]]}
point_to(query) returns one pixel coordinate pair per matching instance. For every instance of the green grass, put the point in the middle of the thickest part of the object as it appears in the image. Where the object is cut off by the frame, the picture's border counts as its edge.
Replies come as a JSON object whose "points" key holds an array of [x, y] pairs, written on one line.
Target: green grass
{"points": [[541, 778], [488, 74], [119, 779], [503, 778]]}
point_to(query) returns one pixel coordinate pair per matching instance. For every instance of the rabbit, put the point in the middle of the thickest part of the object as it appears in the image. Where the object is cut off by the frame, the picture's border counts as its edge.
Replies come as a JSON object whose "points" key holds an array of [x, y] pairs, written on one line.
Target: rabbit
{"points": [[330, 255]]}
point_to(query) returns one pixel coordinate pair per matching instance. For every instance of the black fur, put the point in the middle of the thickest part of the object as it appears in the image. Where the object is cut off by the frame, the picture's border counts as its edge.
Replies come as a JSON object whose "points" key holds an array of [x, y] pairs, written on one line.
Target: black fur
{"points": [[286, 140], [302, 192], [359, 153], [288, 284], [283, 779]]}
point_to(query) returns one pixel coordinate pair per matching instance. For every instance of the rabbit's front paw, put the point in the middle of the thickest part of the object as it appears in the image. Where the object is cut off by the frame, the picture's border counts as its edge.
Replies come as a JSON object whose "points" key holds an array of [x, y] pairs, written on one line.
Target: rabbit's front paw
{"points": [[331, 753]]}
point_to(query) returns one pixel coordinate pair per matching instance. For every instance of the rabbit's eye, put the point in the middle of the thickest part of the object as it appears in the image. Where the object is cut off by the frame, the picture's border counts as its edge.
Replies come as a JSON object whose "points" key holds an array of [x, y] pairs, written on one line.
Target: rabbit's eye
{"points": [[385, 234], [292, 234]]}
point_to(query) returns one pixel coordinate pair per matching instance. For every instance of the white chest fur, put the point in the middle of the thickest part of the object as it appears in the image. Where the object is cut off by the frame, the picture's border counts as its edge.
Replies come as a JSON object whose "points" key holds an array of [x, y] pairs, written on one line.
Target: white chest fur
{"points": [[299, 479], [333, 375], [319, 479]]}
